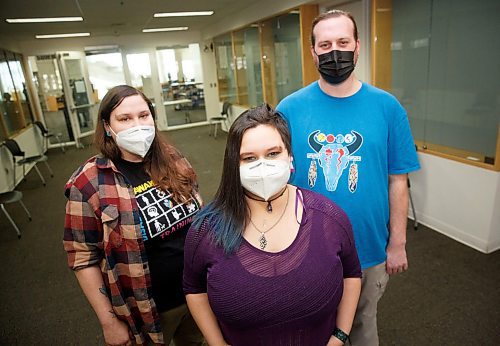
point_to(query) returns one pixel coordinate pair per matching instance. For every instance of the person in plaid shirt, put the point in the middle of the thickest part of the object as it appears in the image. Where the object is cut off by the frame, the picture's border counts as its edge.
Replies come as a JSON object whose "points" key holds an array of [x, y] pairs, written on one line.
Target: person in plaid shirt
{"points": [[127, 216]]}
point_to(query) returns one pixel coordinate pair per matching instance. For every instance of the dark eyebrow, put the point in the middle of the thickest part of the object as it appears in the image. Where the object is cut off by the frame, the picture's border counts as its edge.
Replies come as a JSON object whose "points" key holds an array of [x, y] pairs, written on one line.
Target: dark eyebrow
{"points": [[276, 147], [243, 154], [127, 114]]}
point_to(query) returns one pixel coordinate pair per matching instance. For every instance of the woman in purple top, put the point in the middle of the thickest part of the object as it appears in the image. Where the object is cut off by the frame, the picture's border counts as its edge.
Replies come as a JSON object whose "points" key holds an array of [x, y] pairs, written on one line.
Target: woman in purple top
{"points": [[267, 263]]}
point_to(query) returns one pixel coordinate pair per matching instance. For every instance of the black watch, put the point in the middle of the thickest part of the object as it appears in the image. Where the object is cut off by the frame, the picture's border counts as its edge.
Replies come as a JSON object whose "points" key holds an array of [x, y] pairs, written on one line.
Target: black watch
{"points": [[340, 334]]}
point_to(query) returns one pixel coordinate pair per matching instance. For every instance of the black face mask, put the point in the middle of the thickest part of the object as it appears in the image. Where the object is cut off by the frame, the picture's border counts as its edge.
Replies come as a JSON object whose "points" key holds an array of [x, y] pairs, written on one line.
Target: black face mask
{"points": [[336, 66]]}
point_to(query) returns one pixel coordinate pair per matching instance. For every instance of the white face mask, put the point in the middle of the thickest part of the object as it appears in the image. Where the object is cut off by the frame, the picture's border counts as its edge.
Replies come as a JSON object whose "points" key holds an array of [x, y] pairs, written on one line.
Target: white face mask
{"points": [[265, 178], [136, 140]]}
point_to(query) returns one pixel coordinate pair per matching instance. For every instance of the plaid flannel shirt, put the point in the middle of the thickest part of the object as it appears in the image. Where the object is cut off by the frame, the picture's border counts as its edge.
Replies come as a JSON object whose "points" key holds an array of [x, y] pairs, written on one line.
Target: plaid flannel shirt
{"points": [[102, 229]]}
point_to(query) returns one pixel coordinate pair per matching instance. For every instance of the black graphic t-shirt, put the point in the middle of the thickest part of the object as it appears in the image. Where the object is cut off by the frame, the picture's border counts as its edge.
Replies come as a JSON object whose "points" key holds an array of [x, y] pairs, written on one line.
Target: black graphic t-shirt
{"points": [[164, 224]]}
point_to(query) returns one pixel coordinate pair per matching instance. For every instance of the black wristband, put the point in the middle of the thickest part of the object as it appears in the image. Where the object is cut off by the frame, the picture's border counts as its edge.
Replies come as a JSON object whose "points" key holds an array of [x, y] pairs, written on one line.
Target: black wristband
{"points": [[340, 334]]}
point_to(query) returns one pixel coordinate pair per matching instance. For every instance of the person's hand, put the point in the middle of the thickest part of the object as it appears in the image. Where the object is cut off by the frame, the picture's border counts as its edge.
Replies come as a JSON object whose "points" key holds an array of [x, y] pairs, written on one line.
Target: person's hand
{"points": [[116, 333], [334, 342], [397, 262]]}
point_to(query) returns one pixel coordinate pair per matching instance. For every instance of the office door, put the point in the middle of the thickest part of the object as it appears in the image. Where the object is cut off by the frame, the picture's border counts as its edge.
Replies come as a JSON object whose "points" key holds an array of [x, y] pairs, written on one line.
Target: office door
{"points": [[47, 79], [78, 95]]}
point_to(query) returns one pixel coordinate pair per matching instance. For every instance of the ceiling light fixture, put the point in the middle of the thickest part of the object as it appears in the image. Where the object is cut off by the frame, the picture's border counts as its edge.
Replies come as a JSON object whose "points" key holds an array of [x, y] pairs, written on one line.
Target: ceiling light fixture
{"points": [[43, 20], [78, 34], [183, 14], [180, 28]]}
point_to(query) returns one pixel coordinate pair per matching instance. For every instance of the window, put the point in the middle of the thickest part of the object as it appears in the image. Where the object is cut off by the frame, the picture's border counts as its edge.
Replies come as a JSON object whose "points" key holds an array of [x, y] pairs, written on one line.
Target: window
{"points": [[181, 80], [248, 67], [140, 73], [15, 108], [445, 73], [225, 68], [281, 56], [262, 62], [105, 71]]}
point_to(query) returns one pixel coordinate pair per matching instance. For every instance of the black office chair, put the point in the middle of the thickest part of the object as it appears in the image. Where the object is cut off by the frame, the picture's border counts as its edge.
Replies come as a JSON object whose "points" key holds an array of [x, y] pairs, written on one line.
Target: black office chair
{"points": [[11, 197], [47, 134], [16, 151], [224, 115]]}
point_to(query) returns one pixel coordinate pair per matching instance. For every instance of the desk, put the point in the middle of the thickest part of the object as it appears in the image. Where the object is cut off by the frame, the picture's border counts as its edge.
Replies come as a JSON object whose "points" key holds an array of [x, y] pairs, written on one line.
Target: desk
{"points": [[174, 84], [179, 102], [176, 102]]}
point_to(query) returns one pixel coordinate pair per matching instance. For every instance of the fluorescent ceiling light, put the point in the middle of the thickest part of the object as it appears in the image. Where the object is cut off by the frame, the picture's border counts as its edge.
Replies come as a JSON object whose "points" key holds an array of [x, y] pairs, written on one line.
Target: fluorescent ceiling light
{"points": [[79, 34], [180, 28], [44, 20], [183, 14]]}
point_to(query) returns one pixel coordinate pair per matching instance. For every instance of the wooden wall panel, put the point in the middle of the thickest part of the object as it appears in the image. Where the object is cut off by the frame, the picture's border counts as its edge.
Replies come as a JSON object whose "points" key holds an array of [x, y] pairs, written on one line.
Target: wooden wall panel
{"points": [[309, 71]]}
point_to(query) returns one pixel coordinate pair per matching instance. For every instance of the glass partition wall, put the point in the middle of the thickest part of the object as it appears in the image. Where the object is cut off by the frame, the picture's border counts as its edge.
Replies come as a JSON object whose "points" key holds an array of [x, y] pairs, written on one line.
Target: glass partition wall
{"points": [[15, 108], [440, 58], [181, 79], [105, 71], [48, 82], [262, 62], [140, 73], [247, 65], [81, 100], [281, 54], [66, 96], [225, 68], [70, 86]]}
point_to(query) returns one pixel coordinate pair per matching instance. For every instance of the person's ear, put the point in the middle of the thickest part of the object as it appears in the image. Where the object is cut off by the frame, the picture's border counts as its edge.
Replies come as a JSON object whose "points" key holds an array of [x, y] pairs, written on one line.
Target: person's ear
{"points": [[313, 54], [107, 129]]}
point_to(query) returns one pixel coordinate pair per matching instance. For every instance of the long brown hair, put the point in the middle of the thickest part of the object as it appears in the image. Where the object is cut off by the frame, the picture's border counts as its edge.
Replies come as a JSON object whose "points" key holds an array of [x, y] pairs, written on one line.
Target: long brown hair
{"points": [[167, 168]]}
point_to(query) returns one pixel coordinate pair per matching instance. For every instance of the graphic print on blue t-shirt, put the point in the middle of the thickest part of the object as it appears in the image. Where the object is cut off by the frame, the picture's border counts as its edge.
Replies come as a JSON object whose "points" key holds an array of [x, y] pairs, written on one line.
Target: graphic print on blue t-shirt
{"points": [[333, 153], [161, 215]]}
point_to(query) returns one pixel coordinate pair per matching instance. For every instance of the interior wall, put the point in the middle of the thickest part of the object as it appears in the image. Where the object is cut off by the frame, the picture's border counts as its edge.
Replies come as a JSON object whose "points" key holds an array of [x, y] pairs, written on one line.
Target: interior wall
{"points": [[494, 239], [458, 200]]}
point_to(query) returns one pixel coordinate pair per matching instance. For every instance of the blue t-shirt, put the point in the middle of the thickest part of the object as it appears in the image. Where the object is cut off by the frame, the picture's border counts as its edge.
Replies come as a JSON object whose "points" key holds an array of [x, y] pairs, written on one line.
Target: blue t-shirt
{"points": [[346, 148]]}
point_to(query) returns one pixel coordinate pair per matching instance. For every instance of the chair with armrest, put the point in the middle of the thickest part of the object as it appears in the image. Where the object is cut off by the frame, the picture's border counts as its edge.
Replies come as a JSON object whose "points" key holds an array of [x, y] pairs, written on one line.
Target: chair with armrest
{"points": [[224, 115], [46, 133], [12, 196], [16, 151]]}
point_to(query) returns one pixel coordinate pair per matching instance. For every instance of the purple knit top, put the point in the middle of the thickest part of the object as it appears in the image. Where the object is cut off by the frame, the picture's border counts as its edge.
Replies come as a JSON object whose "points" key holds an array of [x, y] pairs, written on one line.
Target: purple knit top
{"points": [[284, 298]]}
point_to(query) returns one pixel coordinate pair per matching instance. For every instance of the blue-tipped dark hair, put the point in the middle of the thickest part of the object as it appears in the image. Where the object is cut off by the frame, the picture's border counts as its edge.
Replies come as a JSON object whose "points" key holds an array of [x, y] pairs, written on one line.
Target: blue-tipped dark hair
{"points": [[226, 216]]}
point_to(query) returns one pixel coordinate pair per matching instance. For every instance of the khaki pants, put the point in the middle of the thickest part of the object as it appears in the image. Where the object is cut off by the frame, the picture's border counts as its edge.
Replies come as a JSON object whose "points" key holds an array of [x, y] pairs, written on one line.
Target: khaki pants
{"points": [[373, 284], [179, 326]]}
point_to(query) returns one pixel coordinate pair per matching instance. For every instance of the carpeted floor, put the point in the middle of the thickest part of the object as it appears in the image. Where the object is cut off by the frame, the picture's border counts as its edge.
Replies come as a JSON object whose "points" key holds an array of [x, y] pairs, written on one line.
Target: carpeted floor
{"points": [[450, 295]]}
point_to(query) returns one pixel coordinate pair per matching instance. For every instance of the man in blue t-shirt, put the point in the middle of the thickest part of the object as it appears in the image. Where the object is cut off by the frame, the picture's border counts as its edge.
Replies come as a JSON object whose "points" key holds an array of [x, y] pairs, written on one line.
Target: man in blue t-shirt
{"points": [[352, 142]]}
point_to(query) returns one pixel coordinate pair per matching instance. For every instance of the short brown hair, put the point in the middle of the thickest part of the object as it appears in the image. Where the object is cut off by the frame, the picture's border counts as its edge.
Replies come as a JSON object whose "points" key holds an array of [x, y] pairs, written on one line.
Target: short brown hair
{"points": [[166, 166], [332, 14]]}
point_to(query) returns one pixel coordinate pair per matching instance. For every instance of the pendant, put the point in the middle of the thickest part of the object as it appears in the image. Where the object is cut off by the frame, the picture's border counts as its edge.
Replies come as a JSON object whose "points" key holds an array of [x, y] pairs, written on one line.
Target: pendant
{"points": [[262, 241], [269, 207]]}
